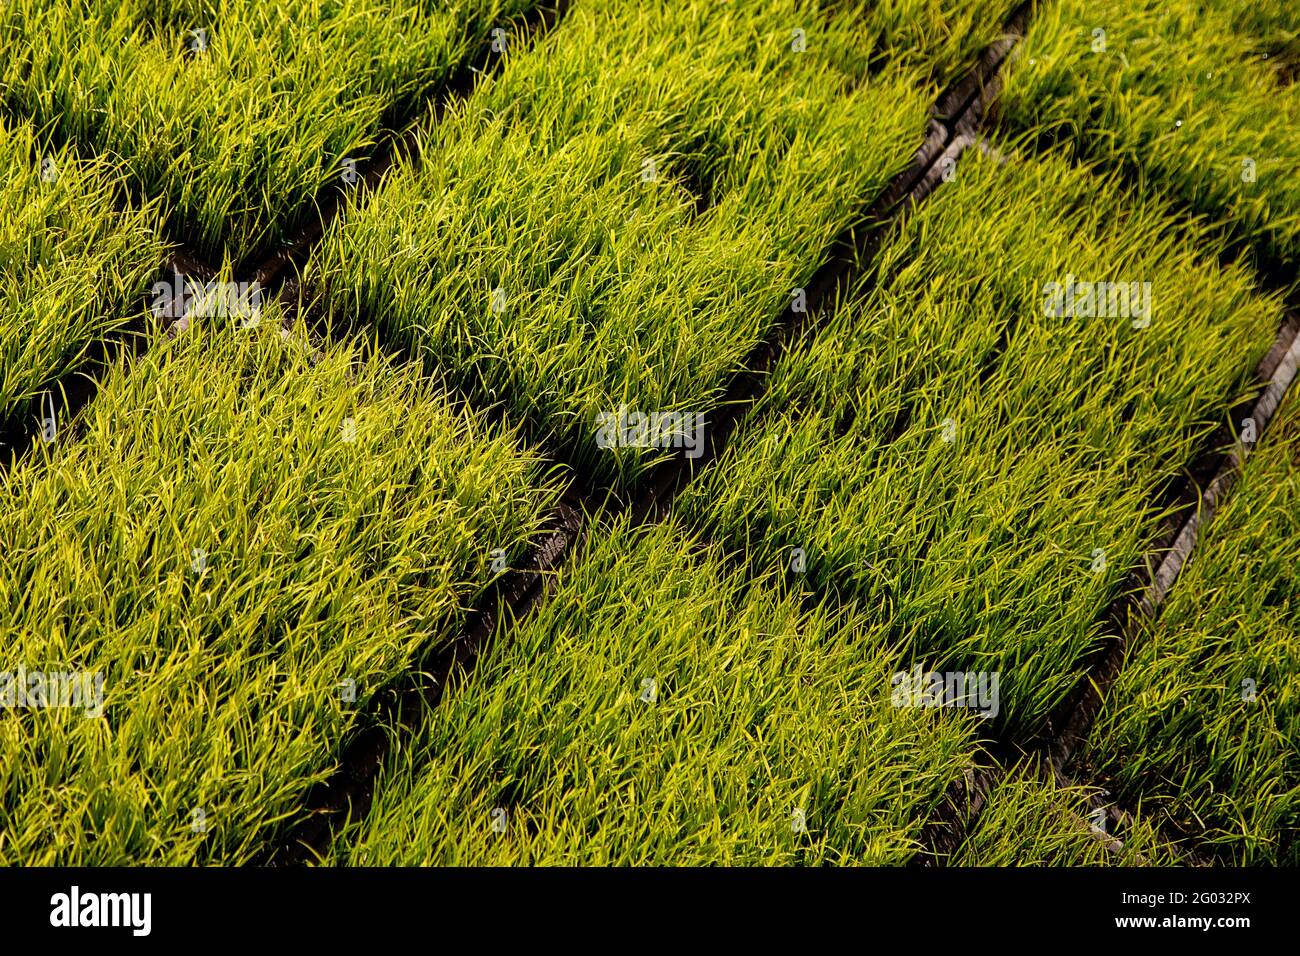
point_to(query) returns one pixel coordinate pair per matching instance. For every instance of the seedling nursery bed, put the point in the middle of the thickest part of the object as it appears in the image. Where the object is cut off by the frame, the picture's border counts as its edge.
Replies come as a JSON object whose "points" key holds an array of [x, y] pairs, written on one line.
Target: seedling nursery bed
{"points": [[608, 433]]}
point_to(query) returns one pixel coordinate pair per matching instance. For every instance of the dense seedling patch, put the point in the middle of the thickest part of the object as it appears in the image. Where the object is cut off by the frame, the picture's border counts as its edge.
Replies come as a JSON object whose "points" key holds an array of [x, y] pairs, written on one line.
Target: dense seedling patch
{"points": [[237, 114], [574, 249], [1180, 96], [73, 266], [245, 544], [661, 708], [1199, 728], [971, 448]]}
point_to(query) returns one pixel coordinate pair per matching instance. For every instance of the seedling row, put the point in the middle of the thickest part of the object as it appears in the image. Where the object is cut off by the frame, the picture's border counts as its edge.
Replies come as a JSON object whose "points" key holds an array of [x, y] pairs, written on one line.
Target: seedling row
{"points": [[1195, 101], [557, 227], [238, 114], [247, 543], [74, 268], [1199, 727]]}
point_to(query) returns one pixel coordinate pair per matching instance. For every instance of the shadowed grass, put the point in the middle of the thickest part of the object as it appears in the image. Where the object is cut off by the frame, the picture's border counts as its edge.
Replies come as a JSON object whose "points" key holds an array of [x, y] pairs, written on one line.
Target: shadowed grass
{"points": [[1032, 821], [73, 268]]}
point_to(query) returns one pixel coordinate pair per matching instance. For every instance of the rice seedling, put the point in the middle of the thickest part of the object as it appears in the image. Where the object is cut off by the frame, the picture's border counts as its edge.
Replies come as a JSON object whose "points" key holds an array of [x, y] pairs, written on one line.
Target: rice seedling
{"points": [[73, 266], [244, 544], [1200, 728], [663, 708], [1180, 97], [972, 445], [1031, 820], [236, 113], [571, 249]]}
